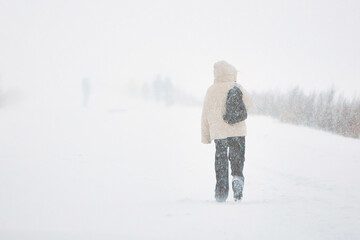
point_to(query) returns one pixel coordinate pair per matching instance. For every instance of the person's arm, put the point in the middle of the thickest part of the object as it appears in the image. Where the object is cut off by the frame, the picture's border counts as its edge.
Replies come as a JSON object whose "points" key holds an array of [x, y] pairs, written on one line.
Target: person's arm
{"points": [[205, 133]]}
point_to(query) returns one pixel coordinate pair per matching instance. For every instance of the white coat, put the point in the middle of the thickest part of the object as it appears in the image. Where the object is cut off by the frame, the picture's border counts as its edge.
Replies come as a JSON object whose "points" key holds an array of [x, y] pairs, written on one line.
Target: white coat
{"points": [[212, 124]]}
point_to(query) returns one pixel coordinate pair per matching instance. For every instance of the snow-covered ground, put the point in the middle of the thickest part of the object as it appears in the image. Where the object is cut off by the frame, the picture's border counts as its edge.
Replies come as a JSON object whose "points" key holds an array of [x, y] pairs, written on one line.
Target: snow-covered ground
{"points": [[140, 172]]}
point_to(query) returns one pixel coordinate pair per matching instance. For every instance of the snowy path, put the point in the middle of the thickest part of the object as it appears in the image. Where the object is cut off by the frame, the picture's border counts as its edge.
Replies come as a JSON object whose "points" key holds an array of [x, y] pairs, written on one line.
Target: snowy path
{"points": [[142, 174]]}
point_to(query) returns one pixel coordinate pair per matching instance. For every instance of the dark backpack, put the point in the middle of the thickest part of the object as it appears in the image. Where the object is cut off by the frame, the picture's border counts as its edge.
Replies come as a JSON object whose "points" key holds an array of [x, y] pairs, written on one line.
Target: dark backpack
{"points": [[235, 107]]}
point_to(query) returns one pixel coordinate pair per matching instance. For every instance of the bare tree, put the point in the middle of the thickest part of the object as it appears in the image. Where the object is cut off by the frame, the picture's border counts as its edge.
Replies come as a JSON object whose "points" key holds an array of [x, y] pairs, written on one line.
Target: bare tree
{"points": [[319, 110]]}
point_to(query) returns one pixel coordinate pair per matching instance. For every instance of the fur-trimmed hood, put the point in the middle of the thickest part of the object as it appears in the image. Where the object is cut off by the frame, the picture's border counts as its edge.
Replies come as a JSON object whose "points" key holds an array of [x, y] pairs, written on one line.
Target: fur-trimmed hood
{"points": [[224, 72]]}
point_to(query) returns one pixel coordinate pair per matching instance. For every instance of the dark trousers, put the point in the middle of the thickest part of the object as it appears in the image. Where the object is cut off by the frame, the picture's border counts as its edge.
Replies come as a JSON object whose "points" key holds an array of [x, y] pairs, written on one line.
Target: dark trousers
{"points": [[236, 147]]}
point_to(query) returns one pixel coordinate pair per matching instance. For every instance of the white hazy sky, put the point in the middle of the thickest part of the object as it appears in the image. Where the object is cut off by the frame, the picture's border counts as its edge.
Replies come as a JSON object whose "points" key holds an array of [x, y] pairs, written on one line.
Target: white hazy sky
{"points": [[48, 46]]}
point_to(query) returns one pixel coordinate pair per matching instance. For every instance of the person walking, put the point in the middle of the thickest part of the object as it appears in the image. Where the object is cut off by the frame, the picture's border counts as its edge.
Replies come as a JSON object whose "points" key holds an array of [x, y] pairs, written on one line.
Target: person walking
{"points": [[223, 120]]}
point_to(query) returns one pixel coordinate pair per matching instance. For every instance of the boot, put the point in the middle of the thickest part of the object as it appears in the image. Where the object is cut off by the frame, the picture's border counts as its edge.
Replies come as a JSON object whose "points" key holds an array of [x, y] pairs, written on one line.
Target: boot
{"points": [[238, 186], [221, 194]]}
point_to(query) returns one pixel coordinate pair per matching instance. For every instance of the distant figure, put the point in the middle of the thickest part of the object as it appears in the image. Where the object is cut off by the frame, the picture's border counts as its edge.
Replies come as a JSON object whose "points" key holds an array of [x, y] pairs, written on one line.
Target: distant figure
{"points": [[168, 92], [157, 87], [86, 91], [223, 121]]}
